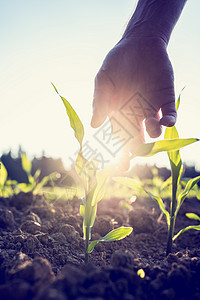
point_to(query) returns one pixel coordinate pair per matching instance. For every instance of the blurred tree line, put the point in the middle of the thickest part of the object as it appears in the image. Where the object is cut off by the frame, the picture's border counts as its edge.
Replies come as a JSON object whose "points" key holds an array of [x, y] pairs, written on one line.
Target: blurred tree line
{"points": [[47, 165]]}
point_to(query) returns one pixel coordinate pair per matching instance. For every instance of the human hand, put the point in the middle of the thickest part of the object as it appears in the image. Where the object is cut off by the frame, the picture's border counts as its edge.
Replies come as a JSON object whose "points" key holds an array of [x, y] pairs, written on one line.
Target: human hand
{"points": [[134, 83]]}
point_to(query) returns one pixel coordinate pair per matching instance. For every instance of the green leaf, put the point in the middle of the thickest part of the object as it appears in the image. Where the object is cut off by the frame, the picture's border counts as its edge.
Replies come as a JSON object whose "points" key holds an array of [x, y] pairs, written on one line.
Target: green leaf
{"points": [[3, 174], [86, 171], [179, 98], [129, 182], [24, 187], [88, 212], [95, 194], [55, 88], [161, 205], [31, 180], [37, 174], [150, 149], [193, 216], [11, 182], [114, 235], [196, 227], [88, 219], [166, 183], [102, 178], [178, 103], [43, 182], [75, 122], [175, 159], [187, 189], [82, 210], [93, 215], [26, 164]]}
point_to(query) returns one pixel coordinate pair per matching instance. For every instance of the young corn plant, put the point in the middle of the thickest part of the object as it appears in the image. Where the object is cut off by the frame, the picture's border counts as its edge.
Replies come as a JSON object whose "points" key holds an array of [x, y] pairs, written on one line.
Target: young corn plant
{"points": [[176, 200], [3, 180], [33, 185], [171, 144], [94, 183], [7, 186]]}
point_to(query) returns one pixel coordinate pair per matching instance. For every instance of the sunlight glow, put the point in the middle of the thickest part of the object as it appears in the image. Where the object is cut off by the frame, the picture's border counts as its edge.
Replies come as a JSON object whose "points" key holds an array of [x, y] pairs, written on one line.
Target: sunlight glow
{"points": [[67, 44]]}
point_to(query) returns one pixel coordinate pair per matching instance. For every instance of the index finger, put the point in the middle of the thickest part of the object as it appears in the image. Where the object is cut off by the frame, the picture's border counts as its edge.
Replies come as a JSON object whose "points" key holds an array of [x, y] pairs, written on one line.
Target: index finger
{"points": [[102, 97]]}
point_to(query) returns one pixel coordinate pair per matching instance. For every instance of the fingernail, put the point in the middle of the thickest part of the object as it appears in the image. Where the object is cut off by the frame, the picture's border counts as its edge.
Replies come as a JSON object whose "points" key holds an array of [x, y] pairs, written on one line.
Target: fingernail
{"points": [[168, 121]]}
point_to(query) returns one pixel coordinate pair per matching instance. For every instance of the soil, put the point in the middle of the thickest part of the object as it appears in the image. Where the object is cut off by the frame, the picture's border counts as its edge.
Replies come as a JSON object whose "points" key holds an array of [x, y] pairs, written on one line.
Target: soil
{"points": [[42, 252]]}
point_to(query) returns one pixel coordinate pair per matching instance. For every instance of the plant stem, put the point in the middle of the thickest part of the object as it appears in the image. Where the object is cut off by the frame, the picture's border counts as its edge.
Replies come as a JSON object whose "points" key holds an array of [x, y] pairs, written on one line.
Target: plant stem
{"points": [[172, 219], [87, 243]]}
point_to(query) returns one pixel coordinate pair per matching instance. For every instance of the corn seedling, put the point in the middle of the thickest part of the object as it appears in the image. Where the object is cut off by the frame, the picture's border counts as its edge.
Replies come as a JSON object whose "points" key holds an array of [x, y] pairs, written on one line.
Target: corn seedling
{"points": [[7, 186], [172, 144], [33, 185], [157, 185], [3, 180], [94, 183]]}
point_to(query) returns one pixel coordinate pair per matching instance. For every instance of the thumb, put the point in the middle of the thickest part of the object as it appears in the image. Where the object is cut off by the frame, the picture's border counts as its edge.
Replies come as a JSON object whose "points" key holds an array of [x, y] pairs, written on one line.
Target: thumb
{"points": [[169, 114], [102, 97], [153, 126]]}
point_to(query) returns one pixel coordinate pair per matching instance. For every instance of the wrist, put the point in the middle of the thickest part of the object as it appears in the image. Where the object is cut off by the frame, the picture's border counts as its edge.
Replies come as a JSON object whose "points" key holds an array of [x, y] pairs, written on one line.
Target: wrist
{"points": [[154, 18], [146, 31]]}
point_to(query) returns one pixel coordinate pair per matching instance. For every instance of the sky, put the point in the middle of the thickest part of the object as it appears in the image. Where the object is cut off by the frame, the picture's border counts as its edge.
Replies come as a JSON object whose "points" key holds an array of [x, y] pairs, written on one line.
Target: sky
{"points": [[65, 42]]}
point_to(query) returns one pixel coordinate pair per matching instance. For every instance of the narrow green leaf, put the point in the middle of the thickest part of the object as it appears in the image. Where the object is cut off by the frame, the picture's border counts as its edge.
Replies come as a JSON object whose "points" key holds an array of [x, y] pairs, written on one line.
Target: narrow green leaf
{"points": [[90, 222], [93, 215], [179, 98], [196, 227], [114, 235], [82, 210], [24, 187], [129, 182], [175, 160], [150, 149], [75, 122], [11, 182], [55, 88], [43, 182], [86, 171], [26, 164], [95, 194], [102, 178], [84, 231], [89, 209], [3, 174], [178, 103], [171, 133], [193, 216], [161, 205], [191, 183], [37, 174], [166, 183], [31, 179]]}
